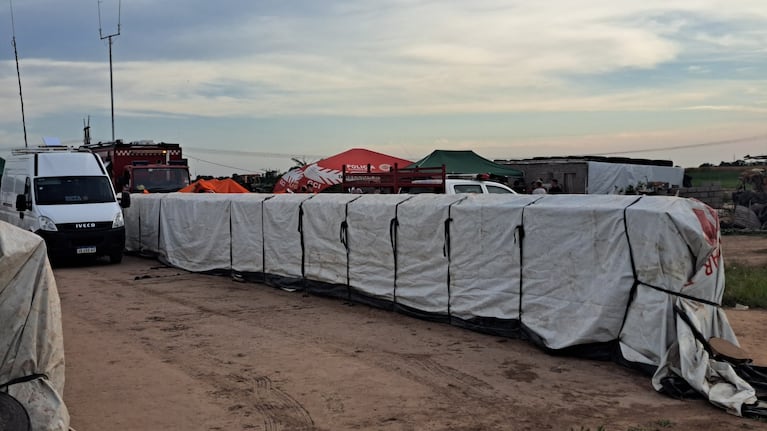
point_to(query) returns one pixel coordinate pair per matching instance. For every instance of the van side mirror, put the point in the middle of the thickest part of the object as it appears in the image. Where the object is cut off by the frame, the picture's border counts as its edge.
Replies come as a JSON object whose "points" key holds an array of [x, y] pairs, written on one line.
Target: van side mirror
{"points": [[21, 203], [125, 200]]}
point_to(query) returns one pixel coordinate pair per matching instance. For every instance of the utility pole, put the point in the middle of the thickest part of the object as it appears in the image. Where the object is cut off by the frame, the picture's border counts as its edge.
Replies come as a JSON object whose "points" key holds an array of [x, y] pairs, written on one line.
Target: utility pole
{"points": [[111, 80], [18, 74]]}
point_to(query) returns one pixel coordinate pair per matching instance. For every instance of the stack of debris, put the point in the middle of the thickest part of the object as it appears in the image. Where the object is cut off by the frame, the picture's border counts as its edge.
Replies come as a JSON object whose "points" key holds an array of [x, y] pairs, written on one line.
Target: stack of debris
{"points": [[750, 201], [752, 217]]}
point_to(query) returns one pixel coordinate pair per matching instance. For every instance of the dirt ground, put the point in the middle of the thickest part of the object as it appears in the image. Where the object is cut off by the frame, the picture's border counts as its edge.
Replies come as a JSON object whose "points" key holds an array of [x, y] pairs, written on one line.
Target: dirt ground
{"points": [[156, 348]]}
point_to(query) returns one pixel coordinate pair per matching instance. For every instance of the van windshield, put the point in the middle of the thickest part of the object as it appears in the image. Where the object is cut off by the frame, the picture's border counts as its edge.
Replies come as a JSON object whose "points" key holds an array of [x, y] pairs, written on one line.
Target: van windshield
{"points": [[73, 190]]}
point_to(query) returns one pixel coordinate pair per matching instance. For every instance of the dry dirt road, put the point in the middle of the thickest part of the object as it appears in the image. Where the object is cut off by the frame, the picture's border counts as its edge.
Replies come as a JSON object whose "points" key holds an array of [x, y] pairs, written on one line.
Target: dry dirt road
{"points": [[156, 348]]}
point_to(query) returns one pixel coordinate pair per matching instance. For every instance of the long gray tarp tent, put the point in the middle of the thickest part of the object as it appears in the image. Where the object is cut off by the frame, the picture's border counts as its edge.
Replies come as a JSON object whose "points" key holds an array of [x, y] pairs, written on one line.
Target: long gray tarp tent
{"points": [[31, 337], [465, 162], [638, 279]]}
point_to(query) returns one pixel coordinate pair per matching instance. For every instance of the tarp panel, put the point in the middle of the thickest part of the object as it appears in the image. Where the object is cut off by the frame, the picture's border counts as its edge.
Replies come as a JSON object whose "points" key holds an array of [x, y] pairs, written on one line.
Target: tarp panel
{"points": [[670, 252], [485, 256], [422, 268], [644, 343], [282, 238], [132, 228], [576, 263], [195, 231], [324, 254], [149, 222], [371, 258], [688, 283], [248, 232]]}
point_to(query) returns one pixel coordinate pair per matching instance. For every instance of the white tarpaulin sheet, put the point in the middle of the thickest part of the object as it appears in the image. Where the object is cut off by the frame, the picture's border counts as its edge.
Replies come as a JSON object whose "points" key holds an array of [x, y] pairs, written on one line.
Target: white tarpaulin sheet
{"points": [[31, 338], [608, 178], [283, 251], [248, 232], [668, 252], [148, 222], [485, 271], [188, 222], [640, 276], [576, 264], [324, 232], [421, 282], [371, 253], [132, 229]]}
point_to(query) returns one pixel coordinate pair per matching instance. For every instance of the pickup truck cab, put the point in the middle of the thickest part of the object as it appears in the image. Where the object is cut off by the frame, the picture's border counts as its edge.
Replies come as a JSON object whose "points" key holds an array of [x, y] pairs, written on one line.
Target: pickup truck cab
{"points": [[454, 186], [421, 180], [457, 186]]}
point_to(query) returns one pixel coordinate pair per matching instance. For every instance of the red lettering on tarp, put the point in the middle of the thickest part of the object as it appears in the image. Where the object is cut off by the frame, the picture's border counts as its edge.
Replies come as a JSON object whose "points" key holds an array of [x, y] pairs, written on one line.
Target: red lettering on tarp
{"points": [[709, 223], [713, 261]]}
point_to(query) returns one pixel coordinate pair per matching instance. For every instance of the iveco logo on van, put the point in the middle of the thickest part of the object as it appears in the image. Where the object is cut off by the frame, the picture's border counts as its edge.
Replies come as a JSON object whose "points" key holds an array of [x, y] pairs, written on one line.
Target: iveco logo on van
{"points": [[84, 225]]}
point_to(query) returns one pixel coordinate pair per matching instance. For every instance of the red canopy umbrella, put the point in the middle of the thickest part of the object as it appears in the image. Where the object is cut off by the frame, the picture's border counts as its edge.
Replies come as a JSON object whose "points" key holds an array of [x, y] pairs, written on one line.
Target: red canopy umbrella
{"points": [[322, 174]]}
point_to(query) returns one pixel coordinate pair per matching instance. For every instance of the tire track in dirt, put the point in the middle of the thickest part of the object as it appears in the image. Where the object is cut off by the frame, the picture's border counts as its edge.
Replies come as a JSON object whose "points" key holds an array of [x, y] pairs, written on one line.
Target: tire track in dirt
{"points": [[471, 394], [279, 409], [418, 367], [248, 395], [245, 395]]}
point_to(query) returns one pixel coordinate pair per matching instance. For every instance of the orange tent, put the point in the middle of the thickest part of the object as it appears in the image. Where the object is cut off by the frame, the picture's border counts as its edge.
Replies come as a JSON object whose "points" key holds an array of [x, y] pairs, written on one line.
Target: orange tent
{"points": [[226, 185]]}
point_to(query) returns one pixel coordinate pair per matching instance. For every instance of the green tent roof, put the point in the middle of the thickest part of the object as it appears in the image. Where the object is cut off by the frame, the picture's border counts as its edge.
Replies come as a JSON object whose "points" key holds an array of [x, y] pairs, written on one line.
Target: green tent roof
{"points": [[465, 162]]}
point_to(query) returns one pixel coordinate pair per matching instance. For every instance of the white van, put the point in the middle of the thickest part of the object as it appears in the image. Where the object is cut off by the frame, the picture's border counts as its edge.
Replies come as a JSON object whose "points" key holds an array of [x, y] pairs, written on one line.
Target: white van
{"points": [[66, 197]]}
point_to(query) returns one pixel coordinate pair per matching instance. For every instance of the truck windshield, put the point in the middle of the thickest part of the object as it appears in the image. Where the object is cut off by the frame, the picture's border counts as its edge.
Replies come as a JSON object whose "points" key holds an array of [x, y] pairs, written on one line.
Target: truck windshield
{"points": [[158, 180], [73, 190]]}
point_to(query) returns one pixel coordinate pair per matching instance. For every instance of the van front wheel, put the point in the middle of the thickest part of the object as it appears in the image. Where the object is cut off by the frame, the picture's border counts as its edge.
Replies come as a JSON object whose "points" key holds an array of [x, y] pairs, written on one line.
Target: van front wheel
{"points": [[116, 257]]}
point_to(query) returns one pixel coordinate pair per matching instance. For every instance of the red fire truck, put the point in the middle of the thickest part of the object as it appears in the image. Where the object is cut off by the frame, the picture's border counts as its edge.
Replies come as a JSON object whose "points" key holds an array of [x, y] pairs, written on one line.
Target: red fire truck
{"points": [[143, 166]]}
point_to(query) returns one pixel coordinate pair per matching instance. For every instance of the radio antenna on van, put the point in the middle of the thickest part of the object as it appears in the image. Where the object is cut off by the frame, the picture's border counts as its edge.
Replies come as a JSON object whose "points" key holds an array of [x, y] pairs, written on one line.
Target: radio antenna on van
{"points": [[18, 74], [111, 82], [87, 131]]}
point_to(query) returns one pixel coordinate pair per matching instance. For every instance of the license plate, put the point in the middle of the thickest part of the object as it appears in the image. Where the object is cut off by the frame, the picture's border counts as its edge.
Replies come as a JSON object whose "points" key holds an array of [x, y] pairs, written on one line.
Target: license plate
{"points": [[86, 250]]}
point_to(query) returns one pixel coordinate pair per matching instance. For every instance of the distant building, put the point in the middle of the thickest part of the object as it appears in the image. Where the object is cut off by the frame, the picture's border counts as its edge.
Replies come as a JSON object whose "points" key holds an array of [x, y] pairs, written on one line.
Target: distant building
{"points": [[600, 175]]}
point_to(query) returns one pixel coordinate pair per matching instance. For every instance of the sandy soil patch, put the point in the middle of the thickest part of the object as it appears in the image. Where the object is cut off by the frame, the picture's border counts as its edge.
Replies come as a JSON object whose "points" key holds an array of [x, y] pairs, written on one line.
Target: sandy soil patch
{"points": [[156, 348]]}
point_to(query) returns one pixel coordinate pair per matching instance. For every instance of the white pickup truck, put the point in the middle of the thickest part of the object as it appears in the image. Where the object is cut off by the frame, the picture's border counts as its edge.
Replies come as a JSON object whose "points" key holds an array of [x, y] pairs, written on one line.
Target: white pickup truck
{"points": [[454, 186], [420, 180]]}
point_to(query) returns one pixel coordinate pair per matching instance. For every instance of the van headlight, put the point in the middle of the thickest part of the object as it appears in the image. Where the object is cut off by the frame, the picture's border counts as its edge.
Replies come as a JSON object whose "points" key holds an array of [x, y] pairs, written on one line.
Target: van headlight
{"points": [[47, 224], [118, 221]]}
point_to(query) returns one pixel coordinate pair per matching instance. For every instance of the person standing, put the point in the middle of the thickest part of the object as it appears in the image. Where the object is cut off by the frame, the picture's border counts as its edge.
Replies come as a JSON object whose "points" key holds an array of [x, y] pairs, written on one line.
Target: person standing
{"points": [[539, 189], [555, 188]]}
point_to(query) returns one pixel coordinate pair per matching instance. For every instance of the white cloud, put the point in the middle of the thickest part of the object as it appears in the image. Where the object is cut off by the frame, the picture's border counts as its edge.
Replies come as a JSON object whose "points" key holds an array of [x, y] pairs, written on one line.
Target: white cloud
{"points": [[406, 58]]}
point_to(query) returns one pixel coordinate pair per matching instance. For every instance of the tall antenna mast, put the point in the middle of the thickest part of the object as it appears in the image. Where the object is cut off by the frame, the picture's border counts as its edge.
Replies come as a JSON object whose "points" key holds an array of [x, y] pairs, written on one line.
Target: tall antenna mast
{"points": [[111, 81], [87, 131], [18, 74]]}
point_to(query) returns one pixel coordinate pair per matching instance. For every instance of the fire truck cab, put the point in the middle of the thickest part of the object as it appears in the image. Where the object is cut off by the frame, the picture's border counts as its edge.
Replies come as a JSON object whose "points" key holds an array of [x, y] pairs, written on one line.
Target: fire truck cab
{"points": [[143, 166]]}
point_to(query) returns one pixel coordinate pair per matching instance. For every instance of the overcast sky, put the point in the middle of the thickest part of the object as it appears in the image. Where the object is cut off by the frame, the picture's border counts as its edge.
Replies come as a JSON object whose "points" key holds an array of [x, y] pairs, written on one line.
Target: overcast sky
{"points": [[248, 84]]}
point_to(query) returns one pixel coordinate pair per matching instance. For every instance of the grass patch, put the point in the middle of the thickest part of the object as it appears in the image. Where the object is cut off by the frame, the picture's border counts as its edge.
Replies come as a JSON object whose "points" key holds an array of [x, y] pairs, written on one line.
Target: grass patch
{"points": [[728, 177], [745, 285]]}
